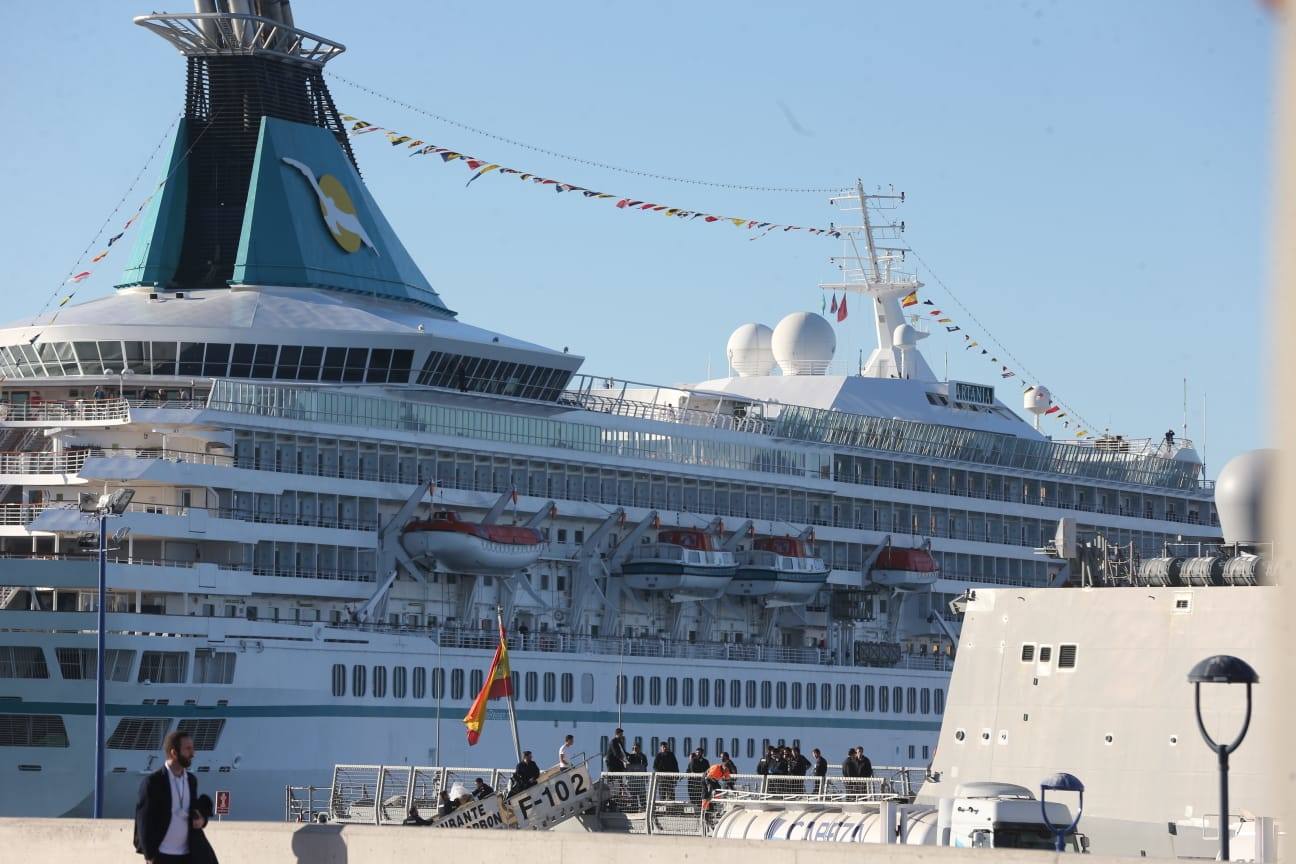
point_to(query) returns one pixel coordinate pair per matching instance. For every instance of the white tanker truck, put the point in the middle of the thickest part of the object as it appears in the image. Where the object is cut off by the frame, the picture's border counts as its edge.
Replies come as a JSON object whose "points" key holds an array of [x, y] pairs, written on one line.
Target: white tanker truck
{"points": [[980, 815]]}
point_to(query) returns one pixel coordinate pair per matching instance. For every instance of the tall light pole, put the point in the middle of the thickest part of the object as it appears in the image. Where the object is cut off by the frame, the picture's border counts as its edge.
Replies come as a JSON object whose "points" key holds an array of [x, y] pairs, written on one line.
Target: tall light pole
{"points": [[102, 506], [1223, 669], [1061, 782]]}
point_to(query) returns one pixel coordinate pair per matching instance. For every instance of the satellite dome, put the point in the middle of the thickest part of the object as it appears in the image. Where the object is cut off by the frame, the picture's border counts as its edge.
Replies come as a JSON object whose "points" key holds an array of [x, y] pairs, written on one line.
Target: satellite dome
{"points": [[1240, 494], [906, 336], [1038, 400], [803, 344], [749, 350], [1188, 454]]}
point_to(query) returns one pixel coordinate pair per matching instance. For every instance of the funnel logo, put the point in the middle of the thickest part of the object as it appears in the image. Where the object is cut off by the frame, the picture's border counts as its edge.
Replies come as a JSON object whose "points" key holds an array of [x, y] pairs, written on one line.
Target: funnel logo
{"points": [[336, 207]]}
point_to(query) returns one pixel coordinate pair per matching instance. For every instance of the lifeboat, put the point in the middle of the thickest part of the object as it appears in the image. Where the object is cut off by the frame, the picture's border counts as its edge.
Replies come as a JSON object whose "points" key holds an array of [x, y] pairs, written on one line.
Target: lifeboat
{"points": [[782, 568], [681, 559], [472, 547], [899, 567]]}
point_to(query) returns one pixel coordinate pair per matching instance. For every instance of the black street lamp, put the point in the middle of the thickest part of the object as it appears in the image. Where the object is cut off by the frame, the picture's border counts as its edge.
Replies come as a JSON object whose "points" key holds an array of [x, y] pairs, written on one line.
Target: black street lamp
{"points": [[1062, 782], [1223, 669], [101, 507]]}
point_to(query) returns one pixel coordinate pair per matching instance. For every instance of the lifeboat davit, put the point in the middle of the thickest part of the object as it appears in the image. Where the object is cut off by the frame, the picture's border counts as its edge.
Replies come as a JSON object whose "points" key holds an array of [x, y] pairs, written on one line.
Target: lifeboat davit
{"points": [[899, 567], [681, 559], [471, 547], [782, 568]]}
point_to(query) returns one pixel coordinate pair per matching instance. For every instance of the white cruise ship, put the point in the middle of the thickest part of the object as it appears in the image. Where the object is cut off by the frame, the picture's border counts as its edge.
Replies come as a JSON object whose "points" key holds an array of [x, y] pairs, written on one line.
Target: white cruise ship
{"points": [[336, 482]]}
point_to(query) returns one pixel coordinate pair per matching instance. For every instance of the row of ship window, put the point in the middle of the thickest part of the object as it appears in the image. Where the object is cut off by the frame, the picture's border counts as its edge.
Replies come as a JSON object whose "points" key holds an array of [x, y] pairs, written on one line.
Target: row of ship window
{"points": [[780, 695], [155, 667], [282, 363], [551, 687], [412, 682], [735, 746]]}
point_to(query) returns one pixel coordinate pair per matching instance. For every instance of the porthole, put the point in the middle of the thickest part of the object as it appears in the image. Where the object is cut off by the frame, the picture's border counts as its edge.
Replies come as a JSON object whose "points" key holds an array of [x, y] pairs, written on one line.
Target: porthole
{"points": [[1107, 739], [1174, 739], [959, 735]]}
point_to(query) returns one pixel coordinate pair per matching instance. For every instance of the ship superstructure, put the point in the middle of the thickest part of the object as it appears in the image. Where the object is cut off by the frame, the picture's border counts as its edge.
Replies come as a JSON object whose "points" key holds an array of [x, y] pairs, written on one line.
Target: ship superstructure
{"points": [[336, 482]]}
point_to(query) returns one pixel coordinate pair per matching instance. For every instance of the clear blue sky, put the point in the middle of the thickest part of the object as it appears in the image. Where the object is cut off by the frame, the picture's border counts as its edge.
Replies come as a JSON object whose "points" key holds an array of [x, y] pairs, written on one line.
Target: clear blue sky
{"points": [[1091, 178]]}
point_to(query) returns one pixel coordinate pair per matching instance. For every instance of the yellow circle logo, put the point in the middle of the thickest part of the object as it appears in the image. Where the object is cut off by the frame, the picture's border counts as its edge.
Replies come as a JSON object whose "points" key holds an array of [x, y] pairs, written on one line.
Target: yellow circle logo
{"points": [[332, 192]]}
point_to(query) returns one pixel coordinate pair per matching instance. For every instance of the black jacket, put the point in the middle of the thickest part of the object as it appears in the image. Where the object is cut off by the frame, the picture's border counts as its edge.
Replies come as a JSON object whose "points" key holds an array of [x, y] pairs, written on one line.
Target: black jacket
{"points": [[666, 762], [800, 764], [850, 767], [763, 766], [698, 765], [153, 811], [821, 767], [865, 767], [636, 761], [526, 773], [615, 758]]}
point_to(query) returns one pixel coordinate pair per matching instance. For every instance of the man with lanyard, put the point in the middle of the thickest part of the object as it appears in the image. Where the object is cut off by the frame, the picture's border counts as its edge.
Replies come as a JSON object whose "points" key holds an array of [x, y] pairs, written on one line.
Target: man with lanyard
{"points": [[162, 811]]}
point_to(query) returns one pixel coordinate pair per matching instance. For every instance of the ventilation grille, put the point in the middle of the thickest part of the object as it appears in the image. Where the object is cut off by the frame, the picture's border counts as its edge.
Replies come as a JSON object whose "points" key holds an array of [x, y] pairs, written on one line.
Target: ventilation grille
{"points": [[32, 730], [138, 733], [1066, 656], [1028, 653], [1045, 653], [225, 99], [205, 733]]}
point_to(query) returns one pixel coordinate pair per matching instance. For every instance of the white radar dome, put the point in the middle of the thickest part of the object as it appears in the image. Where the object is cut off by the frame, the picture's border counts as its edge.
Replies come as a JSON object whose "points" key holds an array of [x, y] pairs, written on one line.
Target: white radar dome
{"points": [[1240, 494], [749, 350], [803, 344], [1038, 400]]}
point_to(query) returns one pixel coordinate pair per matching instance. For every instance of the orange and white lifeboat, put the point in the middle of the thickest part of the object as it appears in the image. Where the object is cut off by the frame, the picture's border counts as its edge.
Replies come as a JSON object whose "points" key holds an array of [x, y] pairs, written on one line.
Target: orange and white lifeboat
{"points": [[900, 567], [681, 559], [471, 547], [780, 568]]}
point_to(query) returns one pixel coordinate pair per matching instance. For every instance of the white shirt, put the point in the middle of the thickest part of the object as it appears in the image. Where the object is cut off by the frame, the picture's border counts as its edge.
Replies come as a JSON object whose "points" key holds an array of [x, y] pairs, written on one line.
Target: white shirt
{"points": [[563, 761], [176, 841]]}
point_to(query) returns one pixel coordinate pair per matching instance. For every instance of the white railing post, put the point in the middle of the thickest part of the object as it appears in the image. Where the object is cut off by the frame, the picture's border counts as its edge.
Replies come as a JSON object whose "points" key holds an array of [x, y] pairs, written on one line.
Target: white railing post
{"points": [[650, 802]]}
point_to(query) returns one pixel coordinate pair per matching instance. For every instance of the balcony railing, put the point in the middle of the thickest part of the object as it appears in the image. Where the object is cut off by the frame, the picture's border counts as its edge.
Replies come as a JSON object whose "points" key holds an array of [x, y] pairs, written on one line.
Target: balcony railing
{"points": [[78, 411]]}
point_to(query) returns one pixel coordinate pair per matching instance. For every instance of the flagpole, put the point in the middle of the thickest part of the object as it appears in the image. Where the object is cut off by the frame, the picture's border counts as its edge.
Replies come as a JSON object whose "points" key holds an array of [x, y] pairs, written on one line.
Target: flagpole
{"points": [[517, 741]]}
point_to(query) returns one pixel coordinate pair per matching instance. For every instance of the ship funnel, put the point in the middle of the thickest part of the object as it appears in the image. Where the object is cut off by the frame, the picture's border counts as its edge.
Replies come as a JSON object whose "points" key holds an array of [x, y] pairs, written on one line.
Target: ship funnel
{"points": [[1240, 494]]}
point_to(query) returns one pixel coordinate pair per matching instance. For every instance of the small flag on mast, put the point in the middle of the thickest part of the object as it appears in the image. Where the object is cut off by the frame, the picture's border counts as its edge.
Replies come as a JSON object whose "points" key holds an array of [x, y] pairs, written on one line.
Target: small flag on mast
{"points": [[841, 309], [910, 299]]}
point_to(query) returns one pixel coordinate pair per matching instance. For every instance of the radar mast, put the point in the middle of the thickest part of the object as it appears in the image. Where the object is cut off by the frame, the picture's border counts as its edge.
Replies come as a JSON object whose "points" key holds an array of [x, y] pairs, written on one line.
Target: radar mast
{"points": [[874, 272]]}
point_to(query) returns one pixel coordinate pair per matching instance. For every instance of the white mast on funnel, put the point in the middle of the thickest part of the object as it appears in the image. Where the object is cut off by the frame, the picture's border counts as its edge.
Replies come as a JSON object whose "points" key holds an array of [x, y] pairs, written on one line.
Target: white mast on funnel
{"points": [[873, 274]]}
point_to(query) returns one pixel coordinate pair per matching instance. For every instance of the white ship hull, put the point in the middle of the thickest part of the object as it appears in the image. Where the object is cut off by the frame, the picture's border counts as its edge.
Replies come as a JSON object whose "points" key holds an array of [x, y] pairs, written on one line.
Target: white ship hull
{"points": [[285, 727]]}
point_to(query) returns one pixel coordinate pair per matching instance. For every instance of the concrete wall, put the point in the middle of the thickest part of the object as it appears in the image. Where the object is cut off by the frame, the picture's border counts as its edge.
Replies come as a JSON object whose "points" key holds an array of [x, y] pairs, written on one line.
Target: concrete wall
{"points": [[76, 841]]}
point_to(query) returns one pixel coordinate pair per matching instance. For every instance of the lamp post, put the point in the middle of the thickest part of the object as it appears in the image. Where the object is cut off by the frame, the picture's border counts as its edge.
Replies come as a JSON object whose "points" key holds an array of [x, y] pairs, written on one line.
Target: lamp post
{"points": [[1223, 669], [102, 506], [1061, 782]]}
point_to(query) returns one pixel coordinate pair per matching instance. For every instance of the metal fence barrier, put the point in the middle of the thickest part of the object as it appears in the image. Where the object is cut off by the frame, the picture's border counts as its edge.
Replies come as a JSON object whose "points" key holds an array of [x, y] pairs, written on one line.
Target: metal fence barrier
{"points": [[384, 794]]}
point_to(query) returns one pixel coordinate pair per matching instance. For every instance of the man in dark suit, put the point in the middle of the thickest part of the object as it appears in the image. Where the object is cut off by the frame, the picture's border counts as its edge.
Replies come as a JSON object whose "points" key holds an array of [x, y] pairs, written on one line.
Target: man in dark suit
{"points": [[164, 812]]}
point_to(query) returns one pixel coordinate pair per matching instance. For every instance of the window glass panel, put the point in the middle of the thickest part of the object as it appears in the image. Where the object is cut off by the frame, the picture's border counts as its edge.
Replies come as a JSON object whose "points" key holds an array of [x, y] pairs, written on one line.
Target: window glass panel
{"points": [[379, 364], [402, 359], [216, 361], [264, 361], [191, 356], [164, 358], [137, 357], [241, 362], [312, 357], [111, 354], [88, 354], [289, 356], [355, 364], [334, 362]]}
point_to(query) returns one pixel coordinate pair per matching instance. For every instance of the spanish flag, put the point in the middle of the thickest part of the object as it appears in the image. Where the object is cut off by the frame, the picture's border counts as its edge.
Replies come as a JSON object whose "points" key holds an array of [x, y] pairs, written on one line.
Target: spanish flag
{"points": [[910, 299], [499, 683]]}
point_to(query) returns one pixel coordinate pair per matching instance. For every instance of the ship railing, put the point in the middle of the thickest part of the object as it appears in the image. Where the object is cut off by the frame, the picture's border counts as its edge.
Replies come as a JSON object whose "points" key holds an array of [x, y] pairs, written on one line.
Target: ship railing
{"points": [[79, 411], [305, 803], [384, 794]]}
